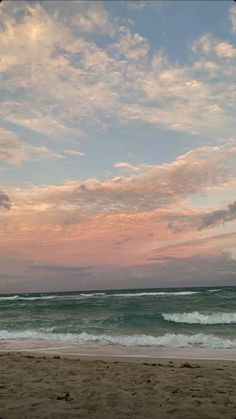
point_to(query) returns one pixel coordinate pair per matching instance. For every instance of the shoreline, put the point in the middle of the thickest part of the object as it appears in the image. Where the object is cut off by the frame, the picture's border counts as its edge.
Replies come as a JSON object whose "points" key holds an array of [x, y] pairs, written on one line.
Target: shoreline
{"points": [[92, 351]]}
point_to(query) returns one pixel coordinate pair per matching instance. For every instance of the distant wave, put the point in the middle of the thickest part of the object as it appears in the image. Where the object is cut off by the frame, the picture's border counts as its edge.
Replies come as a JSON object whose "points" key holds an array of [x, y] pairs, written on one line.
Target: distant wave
{"points": [[50, 297], [133, 294], [12, 297], [215, 290], [97, 294], [87, 295], [18, 297], [141, 294], [199, 318], [167, 340]]}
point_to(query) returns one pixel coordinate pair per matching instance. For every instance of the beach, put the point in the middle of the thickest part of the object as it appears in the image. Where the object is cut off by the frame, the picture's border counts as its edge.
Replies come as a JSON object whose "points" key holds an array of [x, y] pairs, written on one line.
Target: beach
{"points": [[39, 385], [117, 209]]}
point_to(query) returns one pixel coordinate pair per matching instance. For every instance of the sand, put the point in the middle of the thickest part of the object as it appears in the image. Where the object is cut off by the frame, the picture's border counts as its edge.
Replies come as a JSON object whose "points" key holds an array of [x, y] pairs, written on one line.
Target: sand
{"points": [[37, 386]]}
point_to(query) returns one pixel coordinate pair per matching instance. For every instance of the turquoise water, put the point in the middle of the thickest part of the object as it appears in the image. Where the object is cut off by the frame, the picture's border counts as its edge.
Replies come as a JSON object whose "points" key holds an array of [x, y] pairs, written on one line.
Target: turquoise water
{"points": [[200, 317]]}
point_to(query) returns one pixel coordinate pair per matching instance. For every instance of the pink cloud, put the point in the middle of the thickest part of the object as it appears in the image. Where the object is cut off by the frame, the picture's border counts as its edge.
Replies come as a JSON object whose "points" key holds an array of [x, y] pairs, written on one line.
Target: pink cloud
{"points": [[124, 219]]}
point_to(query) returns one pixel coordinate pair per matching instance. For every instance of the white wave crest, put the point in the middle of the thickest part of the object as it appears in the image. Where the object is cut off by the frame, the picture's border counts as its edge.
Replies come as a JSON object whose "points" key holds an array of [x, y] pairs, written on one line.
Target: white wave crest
{"points": [[199, 318], [130, 294], [19, 297], [142, 294], [87, 295], [12, 297], [48, 297], [167, 340], [97, 294]]}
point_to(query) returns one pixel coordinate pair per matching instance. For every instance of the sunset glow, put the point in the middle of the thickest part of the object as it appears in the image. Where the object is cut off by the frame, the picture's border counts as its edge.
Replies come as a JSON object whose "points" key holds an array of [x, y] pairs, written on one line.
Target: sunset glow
{"points": [[117, 145]]}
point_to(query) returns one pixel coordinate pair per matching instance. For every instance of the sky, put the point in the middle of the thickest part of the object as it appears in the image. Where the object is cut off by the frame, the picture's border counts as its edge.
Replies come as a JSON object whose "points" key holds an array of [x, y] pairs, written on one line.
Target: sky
{"points": [[117, 144]]}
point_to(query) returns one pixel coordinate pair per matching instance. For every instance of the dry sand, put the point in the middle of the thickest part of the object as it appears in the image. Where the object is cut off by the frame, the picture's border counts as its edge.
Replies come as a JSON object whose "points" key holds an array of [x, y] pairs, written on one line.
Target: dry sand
{"points": [[37, 386]]}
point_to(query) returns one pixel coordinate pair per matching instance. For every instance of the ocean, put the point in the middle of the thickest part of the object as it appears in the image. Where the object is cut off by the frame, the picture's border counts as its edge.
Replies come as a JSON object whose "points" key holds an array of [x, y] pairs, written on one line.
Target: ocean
{"points": [[176, 318]]}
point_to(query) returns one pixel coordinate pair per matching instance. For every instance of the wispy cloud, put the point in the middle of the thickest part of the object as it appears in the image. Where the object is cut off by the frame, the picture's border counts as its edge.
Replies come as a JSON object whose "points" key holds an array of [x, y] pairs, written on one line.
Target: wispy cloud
{"points": [[75, 83], [93, 17], [131, 167], [60, 268], [75, 153], [232, 18], [14, 151], [131, 45], [139, 5]]}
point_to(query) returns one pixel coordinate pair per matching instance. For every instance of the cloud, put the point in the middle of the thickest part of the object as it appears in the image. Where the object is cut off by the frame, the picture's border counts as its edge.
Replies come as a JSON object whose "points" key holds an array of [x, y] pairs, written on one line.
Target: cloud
{"points": [[87, 221], [175, 272], [132, 46], [131, 167], [230, 252], [55, 61], [14, 151], [207, 246], [232, 18], [119, 244], [135, 5], [218, 216], [207, 45], [179, 98], [60, 268], [158, 186], [140, 5], [4, 201], [44, 153], [75, 153], [126, 166], [92, 17], [202, 220], [84, 69]]}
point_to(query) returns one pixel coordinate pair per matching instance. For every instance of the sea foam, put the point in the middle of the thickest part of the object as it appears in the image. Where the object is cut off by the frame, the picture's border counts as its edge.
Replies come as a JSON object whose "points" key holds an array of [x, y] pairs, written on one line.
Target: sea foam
{"points": [[167, 340], [200, 318]]}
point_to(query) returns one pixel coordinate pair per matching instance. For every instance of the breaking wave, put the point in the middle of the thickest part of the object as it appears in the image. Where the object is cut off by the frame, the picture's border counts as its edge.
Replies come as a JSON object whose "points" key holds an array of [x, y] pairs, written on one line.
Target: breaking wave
{"points": [[167, 340], [199, 318]]}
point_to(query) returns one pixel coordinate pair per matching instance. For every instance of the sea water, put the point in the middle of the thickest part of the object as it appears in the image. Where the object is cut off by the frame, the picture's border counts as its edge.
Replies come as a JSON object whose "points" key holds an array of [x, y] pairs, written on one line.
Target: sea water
{"points": [[196, 317]]}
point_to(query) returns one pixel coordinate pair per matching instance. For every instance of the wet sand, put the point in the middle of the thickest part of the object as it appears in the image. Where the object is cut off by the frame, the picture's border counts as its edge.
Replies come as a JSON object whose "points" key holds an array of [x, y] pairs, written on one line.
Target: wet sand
{"points": [[69, 348], [43, 386]]}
